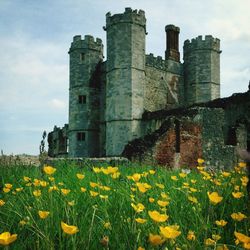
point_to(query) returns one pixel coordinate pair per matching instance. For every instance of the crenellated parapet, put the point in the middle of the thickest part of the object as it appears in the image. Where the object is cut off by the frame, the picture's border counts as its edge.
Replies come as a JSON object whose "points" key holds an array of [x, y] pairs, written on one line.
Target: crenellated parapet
{"points": [[156, 62], [198, 43], [129, 16], [87, 43]]}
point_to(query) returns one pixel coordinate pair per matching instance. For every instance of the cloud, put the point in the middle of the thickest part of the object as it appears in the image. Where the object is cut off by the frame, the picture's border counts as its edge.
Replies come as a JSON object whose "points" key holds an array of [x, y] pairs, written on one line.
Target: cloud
{"points": [[57, 104]]}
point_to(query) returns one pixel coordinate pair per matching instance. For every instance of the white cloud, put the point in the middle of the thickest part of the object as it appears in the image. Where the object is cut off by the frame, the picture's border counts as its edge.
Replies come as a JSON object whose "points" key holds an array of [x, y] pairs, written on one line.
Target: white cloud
{"points": [[57, 104]]}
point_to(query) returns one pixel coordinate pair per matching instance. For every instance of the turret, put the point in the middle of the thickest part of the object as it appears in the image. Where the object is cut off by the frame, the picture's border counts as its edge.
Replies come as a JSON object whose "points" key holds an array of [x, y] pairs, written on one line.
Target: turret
{"points": [[84, 94], [125, 78], [172, 43], [201, 69]]}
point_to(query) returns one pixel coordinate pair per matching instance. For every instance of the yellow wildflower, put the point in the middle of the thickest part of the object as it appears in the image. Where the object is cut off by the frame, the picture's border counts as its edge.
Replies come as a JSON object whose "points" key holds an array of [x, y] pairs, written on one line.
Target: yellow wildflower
{"points": [[93, 193], [6, 238], [161, 186], [192, 199], [107, 225], [140, 220], [244, 180], [191, 235], [65, 191], [49, 170], [193, 181], [151, 171], [140, 248], [226, 174], [220, 223], [209, 242], [37, 193], [2, 202], [43, 183], [138, 208], [93, 184], [53, 188], [193, 190], [214, 198], [8, 185], [36, 183], [104, 197], [242, 237], [43, 214], [83, 189], [143, 187], [182, 175], [156, 216], [22, 222], [238, 216], [170, 232], [163, 203], [96, 170], [155, 239], [151, 200], [136, 177], [26, 178], [200, 161], [242, 164], [222, 247], [52, 179], [116, 175], [106, 188], [6, 190], [165, 196], [80, 176], [68, 229], [216, 237], [71, 203], [237, 195], [174, 178]]}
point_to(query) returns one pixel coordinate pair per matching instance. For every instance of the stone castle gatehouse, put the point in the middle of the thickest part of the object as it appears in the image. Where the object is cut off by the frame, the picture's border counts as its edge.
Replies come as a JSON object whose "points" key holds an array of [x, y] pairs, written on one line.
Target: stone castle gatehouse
{"points": [[110, 101]]}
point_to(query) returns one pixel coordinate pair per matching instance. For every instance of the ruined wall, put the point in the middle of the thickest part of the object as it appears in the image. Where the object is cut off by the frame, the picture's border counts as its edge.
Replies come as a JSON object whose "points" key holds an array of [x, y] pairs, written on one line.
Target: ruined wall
{"points": [[163, 84]]}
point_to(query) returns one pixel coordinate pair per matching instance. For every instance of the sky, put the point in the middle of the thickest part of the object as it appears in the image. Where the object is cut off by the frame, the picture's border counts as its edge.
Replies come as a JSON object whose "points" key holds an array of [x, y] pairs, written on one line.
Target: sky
{"points": [[35, 37]]}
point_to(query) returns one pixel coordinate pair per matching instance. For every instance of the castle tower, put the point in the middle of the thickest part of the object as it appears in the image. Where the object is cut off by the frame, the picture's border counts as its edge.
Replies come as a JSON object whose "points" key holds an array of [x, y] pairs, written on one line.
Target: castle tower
{"points": [[201, 69], [125, 78], [84, 94], [172, 46]]}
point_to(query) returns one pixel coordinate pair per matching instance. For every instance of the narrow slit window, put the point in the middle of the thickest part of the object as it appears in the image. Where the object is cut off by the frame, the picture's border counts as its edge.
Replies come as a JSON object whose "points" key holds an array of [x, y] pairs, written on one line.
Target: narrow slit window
{"points": [[82, 57], [82, 99], [80, 136]]}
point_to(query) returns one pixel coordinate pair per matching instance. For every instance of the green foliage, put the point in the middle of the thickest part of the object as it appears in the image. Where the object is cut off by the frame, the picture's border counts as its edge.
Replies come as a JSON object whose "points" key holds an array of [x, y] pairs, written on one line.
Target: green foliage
{"points": [[107, 220]]}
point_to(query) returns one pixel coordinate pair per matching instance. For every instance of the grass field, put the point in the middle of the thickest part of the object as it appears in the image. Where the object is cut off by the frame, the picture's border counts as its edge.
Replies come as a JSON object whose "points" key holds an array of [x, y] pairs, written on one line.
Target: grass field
{"points": [[125, 207]]}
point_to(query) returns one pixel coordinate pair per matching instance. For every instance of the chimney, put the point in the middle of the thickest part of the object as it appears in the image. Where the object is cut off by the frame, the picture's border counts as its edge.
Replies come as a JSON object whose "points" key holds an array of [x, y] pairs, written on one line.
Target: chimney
{"points": [[172, 50]]}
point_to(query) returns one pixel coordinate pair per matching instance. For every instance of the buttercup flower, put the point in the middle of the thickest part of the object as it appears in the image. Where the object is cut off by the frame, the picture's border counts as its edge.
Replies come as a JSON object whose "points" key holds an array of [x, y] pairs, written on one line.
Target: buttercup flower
{"points": [[83, 189], [65, 191], [200, 161], [80, 176], [93, 193], [237, 195], [49, 170], [2, 202], [174, 178], [140, 220], [155, 239], [170, 232], [37, 193], [151, 200], [214, 198], [163, 203], [191, 235], [43, 214], [156, 216], [220, 223], [209, 242], [138, 208], [68, 229], [6, 238], [192, 199], [238, 216]]}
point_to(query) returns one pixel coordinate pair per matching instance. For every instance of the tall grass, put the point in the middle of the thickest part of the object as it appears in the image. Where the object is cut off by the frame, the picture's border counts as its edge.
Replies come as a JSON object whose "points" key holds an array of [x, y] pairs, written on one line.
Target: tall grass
{"points": [[108, 220]]}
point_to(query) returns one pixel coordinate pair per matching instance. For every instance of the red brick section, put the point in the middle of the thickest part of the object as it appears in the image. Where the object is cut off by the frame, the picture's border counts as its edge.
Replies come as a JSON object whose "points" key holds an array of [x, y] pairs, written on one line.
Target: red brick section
{"points": [[190, 146]]}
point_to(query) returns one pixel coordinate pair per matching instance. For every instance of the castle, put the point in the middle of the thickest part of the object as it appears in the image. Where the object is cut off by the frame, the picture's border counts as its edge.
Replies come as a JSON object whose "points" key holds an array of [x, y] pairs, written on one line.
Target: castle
{"points": [[109, 100]]}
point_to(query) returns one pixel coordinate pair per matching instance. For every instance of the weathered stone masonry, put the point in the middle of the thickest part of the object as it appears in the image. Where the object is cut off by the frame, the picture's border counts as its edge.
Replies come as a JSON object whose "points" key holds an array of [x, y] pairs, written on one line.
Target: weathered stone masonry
{"points": [[112, 102]]}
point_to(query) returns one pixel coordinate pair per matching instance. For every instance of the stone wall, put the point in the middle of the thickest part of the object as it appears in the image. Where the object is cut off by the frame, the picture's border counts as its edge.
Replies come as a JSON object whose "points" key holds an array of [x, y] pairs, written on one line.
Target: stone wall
{"points": [[201, 130]]}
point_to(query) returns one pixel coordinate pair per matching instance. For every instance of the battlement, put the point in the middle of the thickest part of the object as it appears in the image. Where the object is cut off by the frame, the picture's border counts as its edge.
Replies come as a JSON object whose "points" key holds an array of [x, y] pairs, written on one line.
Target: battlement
{"points": [[129, 16], [156, 62], [198, 43], [87, 43]]}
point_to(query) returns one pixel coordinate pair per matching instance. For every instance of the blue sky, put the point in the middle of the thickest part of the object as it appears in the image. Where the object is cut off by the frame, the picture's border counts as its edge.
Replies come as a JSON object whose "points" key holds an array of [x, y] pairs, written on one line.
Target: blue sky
{"points": [[36, 35]]}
